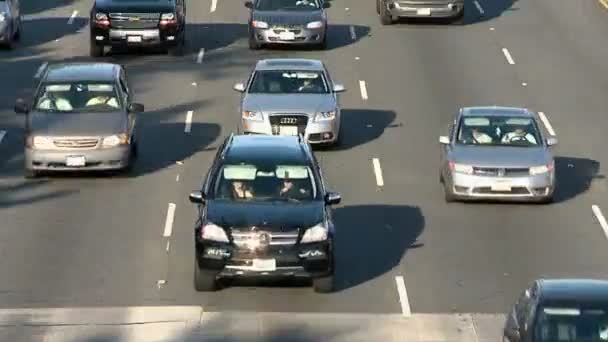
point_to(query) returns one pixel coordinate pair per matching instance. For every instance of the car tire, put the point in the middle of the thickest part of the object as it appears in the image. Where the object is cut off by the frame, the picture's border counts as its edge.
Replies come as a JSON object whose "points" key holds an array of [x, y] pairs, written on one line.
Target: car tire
{"points": [[448, 193], [134, 149], [204, 281], [253, 44], [385, 17], [547, 200], [17, 34], [30, 174], [378, 6], [324, 284], [323, 45], [95, 50], [458, 20]]}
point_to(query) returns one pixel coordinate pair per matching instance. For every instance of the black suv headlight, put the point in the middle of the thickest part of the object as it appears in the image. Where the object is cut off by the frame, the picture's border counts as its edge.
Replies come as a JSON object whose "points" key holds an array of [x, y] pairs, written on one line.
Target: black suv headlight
{"points": [[213, 232], [315, 233]]}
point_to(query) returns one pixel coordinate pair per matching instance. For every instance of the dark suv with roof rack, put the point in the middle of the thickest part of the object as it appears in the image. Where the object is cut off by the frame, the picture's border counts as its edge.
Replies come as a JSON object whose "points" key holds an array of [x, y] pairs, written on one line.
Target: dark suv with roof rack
{"points": [[141, 23], [264, 212]]}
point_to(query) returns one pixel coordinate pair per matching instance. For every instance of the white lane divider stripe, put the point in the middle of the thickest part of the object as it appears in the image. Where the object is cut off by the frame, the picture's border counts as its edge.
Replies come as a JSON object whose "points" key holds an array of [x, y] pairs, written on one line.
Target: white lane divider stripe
{"points": [[378, 172], [600, 218], [546, 122], [405, 302], [188, 126], [41, 69], [213, 5], [2, 134], [353, 34], [72, 17], [479, 8], [363, 88], [169, 220], [201, 54], [508, 56]]}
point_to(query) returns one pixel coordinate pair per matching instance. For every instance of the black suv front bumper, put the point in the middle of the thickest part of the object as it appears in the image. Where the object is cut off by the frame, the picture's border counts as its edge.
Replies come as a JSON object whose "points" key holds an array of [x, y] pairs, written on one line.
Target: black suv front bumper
{"points": [[164, 37]]}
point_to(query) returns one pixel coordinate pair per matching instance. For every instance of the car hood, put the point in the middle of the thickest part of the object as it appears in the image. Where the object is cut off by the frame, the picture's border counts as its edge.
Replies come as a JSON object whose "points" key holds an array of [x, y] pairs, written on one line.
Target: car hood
{"points": [[272, 216], [500, 156], [288, 17], [289, 103], [66, 124], [151, 6]]}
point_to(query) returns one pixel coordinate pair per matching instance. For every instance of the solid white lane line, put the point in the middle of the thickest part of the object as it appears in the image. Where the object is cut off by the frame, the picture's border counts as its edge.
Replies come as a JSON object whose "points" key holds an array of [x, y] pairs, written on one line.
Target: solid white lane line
{"points": [[405, 302], [188, 126], [72, 17], [2, 134], [353, 34], [363, 88], [546, 122], [213, 5], [378, 172], [600, 218], [41, 70], [201, 54], [169, 220], [508, 56], [479, 8]]}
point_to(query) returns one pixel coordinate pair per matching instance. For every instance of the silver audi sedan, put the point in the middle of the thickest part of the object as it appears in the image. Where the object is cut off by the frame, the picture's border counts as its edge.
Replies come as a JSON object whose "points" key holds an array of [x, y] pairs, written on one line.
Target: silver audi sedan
{"points": [[497, 153], [291, 97]]}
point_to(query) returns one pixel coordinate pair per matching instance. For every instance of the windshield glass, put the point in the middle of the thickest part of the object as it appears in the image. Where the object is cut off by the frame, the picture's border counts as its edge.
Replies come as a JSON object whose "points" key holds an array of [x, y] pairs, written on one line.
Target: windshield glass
{"points": [[244, 182], [498, 130], [287, 5], [78, 97], [571, 325], [288, 82]]}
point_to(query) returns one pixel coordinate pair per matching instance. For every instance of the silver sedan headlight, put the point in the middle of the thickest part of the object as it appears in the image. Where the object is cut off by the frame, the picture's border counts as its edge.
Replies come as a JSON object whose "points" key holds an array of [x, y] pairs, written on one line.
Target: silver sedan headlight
{"points": [[314, 25], [41, 143], [2, 17], [324, 116], [539, 170], [115, 140], [259, 24], [254, 116], [461, 168]]}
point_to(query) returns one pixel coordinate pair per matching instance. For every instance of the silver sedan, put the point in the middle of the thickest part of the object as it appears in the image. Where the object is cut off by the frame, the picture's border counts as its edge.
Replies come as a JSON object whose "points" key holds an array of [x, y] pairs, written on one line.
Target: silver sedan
{"points": [[497, 153], [291, 97]]}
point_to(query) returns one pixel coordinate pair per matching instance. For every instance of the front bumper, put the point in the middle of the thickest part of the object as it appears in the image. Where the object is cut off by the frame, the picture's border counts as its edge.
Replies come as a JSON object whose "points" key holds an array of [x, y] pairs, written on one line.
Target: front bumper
{"points": [[114, 158], [315, 132], [135, 38], [518, 188], [300, 37], [424, 9]]}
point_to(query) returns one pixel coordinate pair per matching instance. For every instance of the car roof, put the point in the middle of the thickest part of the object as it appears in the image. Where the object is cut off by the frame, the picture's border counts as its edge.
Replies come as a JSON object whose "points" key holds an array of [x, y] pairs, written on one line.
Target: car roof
{"points": [[70, 72], [495, 111], [289, 63], [573, 291], [266, 148]]}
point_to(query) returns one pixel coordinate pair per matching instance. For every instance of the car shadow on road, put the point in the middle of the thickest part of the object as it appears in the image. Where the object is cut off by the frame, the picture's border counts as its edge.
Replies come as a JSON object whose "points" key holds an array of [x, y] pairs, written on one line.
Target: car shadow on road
{"points": [[360, 126], [33, 7], [19, 192], [491, 10], [574, 176]]}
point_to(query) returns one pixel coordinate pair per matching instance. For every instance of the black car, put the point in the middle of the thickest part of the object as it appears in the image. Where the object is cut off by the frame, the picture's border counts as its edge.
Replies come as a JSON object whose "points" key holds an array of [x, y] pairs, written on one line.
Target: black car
{"points": [[141, 23], [264, 212], [568, 310]]}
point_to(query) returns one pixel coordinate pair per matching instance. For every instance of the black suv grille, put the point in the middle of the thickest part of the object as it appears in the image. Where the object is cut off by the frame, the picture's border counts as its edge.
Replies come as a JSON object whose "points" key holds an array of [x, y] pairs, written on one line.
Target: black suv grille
{"points": [[299, 121], [135, 21], [245, 236]]}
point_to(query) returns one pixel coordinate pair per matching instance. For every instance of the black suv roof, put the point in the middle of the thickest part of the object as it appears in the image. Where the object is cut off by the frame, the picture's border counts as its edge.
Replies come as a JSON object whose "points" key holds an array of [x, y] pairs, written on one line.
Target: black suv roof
{"points": [[574, 291], [266, 148], [71, 72]]}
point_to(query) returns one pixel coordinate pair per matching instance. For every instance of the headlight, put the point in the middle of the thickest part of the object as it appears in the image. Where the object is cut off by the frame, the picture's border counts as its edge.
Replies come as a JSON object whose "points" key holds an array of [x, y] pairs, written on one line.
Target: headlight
{"points": [[2, 17], [538, 170], [461, 168], [167, 16], [259, 24], [315, 234], [325, 116], [101, 16], [213, 232], [255, 116], [41, 143], [115, 140], [315, 25]]}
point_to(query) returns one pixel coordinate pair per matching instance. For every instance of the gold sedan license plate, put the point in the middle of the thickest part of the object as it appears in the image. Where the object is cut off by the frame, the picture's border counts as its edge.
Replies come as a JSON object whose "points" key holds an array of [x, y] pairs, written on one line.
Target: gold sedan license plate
{"points": [[424, 11]]}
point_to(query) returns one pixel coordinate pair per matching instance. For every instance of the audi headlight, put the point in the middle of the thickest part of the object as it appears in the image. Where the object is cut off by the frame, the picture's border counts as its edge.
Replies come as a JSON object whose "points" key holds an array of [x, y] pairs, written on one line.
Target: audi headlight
{"points": [[259, 24], [315, 234], [115, 140], [461, 168], [255, 116], [41, 143], [2, 17], [539, 170], [314, 25], [321, 116], [167, 16], [213, 232]]}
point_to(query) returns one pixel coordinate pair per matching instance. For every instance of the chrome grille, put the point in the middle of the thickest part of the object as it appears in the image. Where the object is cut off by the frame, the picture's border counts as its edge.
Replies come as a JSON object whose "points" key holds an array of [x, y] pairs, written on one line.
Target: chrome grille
{"points": [[134, 20], [245, 239], [76, 143], [501, 172]]}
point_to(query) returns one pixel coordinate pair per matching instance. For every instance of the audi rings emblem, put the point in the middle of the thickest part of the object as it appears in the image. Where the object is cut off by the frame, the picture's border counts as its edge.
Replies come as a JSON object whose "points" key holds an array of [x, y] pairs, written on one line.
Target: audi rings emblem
{"points": [[289, 120], [264, 239]]}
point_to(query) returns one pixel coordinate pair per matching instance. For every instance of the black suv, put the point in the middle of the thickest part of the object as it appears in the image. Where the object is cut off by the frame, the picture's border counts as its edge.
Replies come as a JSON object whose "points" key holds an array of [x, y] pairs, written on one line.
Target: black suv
{"points": [[264, 212], [141, 23], [560, 310]]}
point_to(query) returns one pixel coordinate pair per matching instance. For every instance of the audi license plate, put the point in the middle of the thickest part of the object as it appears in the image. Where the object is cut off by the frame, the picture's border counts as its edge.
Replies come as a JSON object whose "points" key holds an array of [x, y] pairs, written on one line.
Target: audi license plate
{"points": [[501, 187], [287, 36], [134, 39], [288, 130], [264, 265], [75, 161], [424, 11]]}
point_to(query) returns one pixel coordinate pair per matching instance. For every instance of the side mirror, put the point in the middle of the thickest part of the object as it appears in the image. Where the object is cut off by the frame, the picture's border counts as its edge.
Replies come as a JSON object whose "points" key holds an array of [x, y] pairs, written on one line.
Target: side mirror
{"points": [[21, 107], [332, 198], [551, 141], [326, 4], [248, 4], [338, 88], [136, 108], [240, 87], [444, 140], [197, 197]]}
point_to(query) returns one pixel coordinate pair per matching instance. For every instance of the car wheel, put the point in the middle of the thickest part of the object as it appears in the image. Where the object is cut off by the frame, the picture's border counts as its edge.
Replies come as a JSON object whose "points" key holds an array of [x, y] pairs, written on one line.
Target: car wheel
{"points": [[323, 45], [324, 284], [17, 34], [177, 50], [204, 281], [441, 177], [253, 44], [459, 20], [547, 200], [385, 16], [29, 173], [134, 149], [448, 192], [95, 50]]}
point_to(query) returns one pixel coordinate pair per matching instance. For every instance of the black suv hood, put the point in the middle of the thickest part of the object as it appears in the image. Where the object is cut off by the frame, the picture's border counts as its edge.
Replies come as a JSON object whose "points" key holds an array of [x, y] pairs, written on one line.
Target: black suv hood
{"points": [[272, 216], [135, 6]]}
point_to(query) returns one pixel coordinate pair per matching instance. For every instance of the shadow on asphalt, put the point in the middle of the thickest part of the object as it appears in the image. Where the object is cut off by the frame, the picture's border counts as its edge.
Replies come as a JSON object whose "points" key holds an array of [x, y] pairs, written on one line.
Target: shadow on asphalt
{"points": [[34, 7], [491, 9], [360, 126], [24, 192], [574, 176]]}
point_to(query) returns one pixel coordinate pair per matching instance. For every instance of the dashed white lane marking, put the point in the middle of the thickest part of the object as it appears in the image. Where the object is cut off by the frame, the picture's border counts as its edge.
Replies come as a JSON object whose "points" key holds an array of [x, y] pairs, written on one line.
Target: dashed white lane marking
{"points": [[405, 302], [600, 218], [41, 70], [177, 178], [508, 56], [169, 220], [168, 246], [199, 57], [378, 172], [479, 8], [2, 134], [188, 126], [213, 5], [363, 88], [546, 122], [353, 34], [72, 17]]}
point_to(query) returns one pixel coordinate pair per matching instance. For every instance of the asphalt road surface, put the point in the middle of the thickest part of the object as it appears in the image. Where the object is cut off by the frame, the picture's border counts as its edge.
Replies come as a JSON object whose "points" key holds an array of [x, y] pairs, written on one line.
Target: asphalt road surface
{"points": [[96, 242]]}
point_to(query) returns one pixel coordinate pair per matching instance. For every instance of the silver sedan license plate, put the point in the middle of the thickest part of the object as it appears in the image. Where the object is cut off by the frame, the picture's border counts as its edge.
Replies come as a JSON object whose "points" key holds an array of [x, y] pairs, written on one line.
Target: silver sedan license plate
{"points": [[424, 11], [264, 265], [501, 187], [75, 161]]}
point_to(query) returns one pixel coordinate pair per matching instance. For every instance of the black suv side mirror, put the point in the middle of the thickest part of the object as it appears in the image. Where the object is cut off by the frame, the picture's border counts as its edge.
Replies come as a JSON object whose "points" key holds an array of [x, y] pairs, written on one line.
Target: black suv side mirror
{"points": [[136, 108], [248, 4], [332, 198], [21, 107], [197, 197]]}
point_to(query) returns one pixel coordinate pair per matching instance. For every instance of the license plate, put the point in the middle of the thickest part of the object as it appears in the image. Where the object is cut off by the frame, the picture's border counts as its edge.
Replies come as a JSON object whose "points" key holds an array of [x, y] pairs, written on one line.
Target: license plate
{"points": [[424, 11], [264, 265], [501, 187], [288, 130], [134, 39], [75, 161], [287, 36]]}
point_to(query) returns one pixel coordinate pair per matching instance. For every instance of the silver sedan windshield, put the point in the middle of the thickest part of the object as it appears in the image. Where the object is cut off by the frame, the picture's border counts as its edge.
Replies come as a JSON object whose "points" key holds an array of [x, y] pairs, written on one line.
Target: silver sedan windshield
{"points": [[498, 130], [288, 82]]}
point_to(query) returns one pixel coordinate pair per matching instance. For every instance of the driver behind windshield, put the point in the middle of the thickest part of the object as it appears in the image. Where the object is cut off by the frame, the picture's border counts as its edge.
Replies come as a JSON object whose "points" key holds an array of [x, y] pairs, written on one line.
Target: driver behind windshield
{"points": [[519, 134], [294, 189], [241, 190]]}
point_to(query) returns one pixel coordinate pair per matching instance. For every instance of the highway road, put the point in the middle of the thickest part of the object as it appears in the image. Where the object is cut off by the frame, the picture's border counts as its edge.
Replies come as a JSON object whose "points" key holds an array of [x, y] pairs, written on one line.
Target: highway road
{"points": [[100, 242]]}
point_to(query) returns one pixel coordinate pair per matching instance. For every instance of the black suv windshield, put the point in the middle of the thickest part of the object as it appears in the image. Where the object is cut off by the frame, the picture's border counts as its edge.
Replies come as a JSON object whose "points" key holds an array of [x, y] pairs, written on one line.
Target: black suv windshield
{"points": [[499, 131], [288, 82], [247, 182], [78, 97], [571, 325], [287, 5]]}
